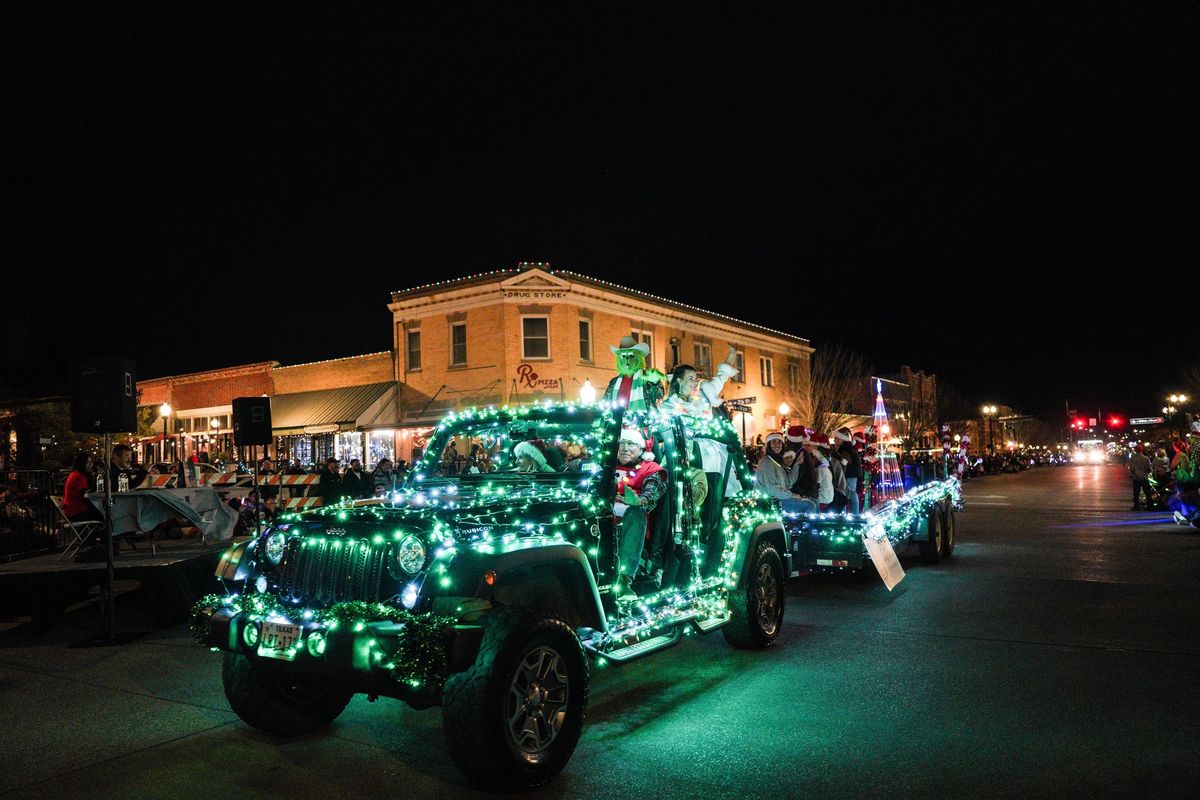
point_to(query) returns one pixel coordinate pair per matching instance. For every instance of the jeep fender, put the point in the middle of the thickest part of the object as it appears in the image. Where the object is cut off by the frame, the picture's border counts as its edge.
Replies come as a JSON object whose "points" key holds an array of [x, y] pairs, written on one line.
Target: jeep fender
{"points": [[767, 531], [235, 562], [547, 576]]}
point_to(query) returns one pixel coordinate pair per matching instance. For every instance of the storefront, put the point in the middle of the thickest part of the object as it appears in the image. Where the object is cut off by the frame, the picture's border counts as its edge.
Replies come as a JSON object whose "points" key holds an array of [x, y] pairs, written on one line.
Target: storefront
{"points": [[347, 423]]}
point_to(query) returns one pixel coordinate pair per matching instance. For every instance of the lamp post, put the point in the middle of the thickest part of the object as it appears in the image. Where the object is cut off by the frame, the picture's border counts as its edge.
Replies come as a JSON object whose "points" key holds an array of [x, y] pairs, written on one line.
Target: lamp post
{"points": [[164, 411], [215, 424], [784, 410], [1177, 401], [989, 411]]}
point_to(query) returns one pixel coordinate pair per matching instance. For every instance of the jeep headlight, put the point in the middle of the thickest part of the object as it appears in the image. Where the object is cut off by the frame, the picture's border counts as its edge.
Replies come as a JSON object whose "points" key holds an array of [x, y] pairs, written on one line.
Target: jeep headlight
{"points": [[410, 555], [276, 544]]}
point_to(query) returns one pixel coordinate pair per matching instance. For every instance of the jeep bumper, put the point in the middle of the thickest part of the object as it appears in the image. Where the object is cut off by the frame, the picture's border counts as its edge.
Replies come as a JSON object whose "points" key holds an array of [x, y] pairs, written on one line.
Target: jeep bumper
{"points": [[356, 656]]}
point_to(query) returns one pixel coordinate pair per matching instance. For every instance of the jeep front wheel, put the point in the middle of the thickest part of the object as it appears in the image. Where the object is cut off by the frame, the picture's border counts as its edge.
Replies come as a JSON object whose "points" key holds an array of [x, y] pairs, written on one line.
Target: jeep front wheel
{"points": [[758, 608], [512, 719], [265, 697]]}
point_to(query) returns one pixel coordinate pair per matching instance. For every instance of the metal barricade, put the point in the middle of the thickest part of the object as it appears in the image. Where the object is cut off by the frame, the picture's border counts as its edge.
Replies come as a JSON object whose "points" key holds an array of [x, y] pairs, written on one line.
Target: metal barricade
{"points": [[28, 520]]}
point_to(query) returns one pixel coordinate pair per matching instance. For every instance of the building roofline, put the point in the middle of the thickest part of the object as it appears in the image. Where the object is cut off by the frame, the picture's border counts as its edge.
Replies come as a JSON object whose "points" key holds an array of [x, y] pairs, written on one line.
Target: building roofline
{"points": [[210, 372], [330, 360], [501, 274]]}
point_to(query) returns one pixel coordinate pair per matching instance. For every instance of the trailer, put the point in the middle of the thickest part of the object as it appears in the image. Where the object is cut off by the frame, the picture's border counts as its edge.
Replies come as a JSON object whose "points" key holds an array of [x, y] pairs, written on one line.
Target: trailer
{"points": [[924, 516]]}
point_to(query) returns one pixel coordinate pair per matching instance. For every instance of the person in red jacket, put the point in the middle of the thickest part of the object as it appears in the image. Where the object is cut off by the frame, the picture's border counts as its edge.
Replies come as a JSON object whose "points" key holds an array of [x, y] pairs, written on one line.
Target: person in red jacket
{"points": [[641, 483], [79, 482]]}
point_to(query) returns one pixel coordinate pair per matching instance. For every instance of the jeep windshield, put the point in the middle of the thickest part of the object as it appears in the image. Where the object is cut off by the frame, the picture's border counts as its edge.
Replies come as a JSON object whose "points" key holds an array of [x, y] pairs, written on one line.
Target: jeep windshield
{"points": [[521, 447]]}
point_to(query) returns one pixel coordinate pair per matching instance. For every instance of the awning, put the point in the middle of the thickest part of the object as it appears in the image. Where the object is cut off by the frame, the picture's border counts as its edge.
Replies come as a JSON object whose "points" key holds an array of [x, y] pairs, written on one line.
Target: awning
{"points": [[328, 410]]}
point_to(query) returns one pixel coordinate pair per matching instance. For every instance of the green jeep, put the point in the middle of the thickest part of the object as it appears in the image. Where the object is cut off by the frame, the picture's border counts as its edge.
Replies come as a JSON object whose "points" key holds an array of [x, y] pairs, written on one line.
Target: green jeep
{"points": [[487, 590]]}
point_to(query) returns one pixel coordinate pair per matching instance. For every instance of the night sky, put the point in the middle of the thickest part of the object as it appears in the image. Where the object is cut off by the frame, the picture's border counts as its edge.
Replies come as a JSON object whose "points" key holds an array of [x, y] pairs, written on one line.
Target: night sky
{"points": [[1007, 199]]}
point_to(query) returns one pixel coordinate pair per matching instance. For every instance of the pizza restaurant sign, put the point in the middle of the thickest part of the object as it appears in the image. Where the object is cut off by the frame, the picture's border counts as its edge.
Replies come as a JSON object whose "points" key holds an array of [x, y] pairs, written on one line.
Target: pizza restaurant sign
{"points": [[528, 379]]}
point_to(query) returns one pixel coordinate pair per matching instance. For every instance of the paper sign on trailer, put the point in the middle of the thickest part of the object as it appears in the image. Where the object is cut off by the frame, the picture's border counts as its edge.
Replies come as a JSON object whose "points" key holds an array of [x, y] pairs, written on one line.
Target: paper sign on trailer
{"points": [[884, 557]]}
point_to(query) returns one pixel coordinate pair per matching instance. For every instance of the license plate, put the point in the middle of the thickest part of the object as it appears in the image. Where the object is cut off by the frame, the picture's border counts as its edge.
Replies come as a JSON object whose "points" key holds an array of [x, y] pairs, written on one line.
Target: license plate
{"points": [[279, 640]]}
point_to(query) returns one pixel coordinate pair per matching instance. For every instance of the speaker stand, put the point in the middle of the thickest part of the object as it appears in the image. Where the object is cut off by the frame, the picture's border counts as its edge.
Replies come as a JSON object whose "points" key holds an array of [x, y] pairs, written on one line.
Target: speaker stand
{"points": [[107, 593]]}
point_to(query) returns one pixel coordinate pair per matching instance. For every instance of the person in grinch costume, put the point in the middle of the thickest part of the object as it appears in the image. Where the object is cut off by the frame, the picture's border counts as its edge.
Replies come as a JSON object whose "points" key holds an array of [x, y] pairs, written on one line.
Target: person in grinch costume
{"points": [[635, 387]]}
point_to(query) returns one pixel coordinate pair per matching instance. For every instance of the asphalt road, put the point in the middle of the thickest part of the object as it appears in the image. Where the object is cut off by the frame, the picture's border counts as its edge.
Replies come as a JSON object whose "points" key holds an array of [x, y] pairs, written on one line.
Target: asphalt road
{"points": [[1057, 653]]}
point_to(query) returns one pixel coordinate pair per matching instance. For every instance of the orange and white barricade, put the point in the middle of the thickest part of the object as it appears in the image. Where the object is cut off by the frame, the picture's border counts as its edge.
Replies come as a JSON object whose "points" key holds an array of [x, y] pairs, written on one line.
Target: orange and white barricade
{"points": [[157, 481], [300, 503]]}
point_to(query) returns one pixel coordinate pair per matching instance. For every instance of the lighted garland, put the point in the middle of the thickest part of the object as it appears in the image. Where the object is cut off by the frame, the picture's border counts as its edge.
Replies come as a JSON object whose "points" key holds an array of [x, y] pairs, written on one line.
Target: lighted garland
{"points": [[420, 655]]}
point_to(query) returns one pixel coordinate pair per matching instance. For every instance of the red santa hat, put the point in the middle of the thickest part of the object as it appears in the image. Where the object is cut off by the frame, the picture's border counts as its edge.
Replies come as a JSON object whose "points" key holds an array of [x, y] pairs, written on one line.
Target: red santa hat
{"points": [[842, 434], [860, 438], [798, 434], [635, 436]]}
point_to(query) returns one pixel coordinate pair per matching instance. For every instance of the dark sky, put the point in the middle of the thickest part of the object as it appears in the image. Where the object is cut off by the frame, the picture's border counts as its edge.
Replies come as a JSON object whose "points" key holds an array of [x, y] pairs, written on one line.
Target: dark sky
{"points": [[1007, 199]]}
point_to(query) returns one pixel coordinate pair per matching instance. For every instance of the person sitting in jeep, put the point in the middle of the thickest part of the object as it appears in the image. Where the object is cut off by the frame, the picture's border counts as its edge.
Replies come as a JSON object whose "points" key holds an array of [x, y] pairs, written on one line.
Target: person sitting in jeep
{"points": [[640, 484]]}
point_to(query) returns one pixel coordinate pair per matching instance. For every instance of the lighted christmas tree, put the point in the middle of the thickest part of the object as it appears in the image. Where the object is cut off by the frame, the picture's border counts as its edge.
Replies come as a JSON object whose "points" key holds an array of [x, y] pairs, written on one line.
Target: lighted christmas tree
{"points": [[890, 485]]}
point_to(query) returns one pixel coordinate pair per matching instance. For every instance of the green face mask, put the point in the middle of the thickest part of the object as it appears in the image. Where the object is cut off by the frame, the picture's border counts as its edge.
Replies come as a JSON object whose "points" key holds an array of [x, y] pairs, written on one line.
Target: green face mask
{"points": [[629, 362]]}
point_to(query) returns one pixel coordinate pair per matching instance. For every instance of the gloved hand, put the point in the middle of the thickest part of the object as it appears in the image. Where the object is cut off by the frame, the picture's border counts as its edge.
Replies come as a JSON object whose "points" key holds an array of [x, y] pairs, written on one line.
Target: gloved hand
{"points": [[630, 498]]}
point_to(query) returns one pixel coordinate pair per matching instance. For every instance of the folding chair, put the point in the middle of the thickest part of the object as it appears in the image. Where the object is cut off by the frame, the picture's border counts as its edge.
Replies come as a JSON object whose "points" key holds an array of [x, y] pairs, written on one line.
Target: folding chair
{"points": [[84, 530]]}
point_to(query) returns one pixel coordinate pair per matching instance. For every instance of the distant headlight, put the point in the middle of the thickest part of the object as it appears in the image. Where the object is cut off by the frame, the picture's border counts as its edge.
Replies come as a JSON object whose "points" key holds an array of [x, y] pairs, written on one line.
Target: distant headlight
{"points": [[1095, 457], [276, 544], [410, 555]]}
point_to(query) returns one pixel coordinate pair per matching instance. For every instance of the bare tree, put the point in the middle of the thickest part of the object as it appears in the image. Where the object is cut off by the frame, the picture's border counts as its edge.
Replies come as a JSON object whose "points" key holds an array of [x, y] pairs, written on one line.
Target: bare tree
{"points": [[837, 389]]}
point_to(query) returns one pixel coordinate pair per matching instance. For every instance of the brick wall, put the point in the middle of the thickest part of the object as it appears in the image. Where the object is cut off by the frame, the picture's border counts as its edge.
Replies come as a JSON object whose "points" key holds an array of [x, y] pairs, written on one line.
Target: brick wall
{"points": [[333, 374]]}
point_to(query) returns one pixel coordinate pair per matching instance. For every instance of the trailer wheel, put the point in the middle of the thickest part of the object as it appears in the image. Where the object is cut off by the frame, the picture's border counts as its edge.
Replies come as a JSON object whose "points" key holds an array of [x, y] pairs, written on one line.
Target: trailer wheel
{"points": [[930, 538], [948, 530]]}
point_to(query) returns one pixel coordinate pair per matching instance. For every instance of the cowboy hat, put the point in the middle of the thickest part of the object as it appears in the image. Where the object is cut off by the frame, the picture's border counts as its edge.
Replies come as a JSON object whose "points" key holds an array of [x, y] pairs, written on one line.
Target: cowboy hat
{"points": [[627, 343]]}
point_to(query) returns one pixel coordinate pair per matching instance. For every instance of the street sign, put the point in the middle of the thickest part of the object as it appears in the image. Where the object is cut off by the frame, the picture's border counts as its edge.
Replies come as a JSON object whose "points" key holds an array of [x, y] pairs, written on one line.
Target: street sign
{"points": [[1146, 421], [738, 407], [745, 401], [1091, 422]]}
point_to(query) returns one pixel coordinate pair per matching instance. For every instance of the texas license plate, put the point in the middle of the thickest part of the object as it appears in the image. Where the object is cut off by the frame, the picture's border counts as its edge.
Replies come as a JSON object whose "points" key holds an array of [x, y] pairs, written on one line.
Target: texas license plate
{"points": [[279, 640]]}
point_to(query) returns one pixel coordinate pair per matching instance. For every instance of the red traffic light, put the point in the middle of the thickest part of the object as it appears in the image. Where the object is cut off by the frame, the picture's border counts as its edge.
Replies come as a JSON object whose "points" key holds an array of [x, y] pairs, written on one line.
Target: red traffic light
{"points": [[1115, 422]]}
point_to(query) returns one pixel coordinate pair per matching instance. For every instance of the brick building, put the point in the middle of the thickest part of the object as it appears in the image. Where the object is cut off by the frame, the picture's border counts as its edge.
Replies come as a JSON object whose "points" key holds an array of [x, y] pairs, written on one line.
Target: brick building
{"points": [[509, 336]]}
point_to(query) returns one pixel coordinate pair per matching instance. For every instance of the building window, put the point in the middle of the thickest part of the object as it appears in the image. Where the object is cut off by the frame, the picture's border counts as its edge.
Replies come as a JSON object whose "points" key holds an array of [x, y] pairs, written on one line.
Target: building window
{"points": [[414, 350], [741, 368], [768, 371], [794, 375], [675, 354], [703, 353], [585, 340], [535, 337], [648, 338], [458, 344]]}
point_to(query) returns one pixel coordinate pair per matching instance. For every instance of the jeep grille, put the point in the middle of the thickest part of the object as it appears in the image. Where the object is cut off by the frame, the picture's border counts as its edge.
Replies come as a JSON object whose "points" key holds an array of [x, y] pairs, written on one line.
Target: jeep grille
{"points": [[323, 573]]}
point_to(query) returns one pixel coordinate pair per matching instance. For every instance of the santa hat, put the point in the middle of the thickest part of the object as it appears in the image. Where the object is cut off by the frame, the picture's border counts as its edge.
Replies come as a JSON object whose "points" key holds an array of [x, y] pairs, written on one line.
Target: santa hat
{"points": [[634, 436], [842, 434], [531, 451], [798, 434], [860, 438], [773, 436]]}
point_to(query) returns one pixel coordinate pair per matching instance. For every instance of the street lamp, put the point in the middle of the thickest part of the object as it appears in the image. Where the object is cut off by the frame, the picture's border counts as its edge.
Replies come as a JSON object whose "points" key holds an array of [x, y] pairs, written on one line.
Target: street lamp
{"points": [[989, 411], [164, 411], [214, 423], [784, 410], [587, 392]]}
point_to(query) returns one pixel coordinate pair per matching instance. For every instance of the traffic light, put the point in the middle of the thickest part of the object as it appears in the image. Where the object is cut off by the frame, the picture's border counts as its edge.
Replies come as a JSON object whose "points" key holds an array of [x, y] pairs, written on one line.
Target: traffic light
{"points": [[1115, 422]]}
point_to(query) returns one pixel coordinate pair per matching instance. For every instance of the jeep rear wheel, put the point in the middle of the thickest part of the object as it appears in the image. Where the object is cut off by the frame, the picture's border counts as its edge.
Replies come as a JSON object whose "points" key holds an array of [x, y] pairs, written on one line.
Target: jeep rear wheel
{"points": [[265, 697], [513, 719], [758, 608]]}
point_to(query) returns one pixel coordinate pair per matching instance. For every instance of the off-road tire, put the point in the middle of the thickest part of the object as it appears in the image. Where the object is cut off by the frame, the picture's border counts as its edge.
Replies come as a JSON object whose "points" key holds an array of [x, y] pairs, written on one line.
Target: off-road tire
{"points": [[749, 629], [475, 714], [948, 531], [262, 696], [930, 543]]}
